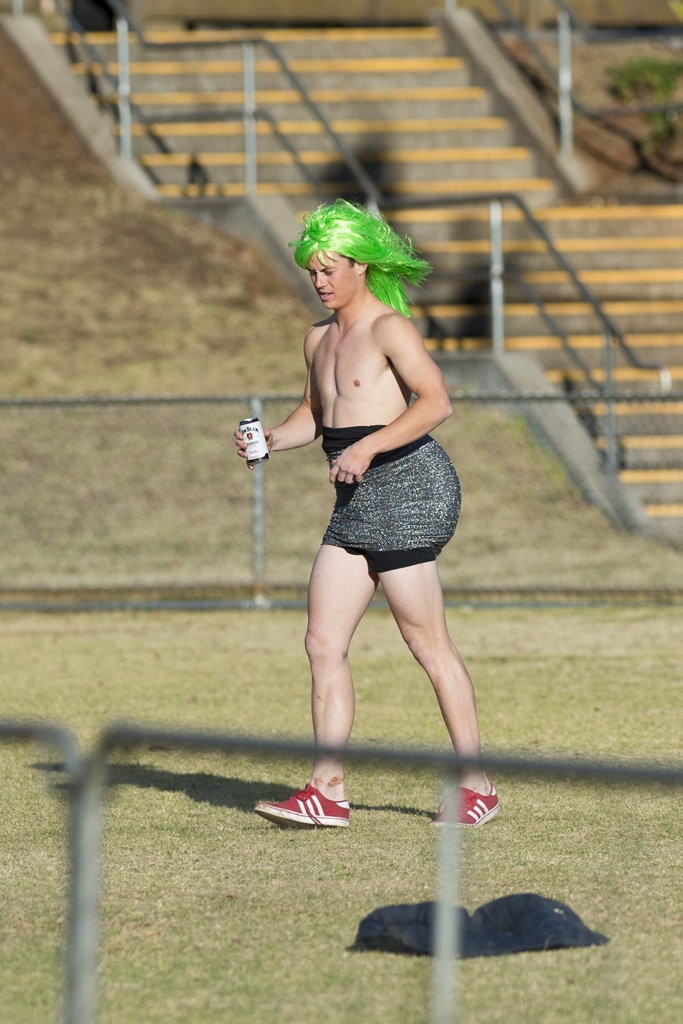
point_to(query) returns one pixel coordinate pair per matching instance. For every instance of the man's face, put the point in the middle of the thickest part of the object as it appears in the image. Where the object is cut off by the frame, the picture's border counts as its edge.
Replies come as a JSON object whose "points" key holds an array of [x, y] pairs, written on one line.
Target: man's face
{"points": [[336, 279]]}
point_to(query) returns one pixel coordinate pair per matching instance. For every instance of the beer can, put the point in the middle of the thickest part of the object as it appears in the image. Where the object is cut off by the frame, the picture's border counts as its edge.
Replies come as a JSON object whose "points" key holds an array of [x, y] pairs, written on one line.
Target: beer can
{"points": [[257, 448]]}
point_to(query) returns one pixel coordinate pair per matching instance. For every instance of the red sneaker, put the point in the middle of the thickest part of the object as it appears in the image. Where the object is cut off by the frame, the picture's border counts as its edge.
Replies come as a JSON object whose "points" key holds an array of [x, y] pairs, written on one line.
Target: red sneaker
{"points": [[472, 808], [307, 809]]}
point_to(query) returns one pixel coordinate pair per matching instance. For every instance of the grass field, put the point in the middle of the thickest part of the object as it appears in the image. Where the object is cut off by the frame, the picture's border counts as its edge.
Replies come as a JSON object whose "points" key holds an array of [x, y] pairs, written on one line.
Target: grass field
{"points": [[210, 913]]}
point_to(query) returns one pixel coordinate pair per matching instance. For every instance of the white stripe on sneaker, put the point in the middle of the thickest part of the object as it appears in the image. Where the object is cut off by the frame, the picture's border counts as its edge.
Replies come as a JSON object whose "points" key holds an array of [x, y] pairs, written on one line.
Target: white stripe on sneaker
{"points": [[314, 807], [478, 811]]}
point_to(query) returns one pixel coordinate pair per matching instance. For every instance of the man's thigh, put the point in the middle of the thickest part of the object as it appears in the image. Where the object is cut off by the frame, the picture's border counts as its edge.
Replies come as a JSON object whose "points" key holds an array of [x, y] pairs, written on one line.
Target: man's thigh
{"points": [[340, 589], [415, 596]]}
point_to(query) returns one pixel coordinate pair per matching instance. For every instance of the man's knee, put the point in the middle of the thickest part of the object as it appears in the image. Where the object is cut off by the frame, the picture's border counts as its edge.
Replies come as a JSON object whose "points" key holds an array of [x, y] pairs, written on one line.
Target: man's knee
{"points": [[321, 646], [418, 642]]}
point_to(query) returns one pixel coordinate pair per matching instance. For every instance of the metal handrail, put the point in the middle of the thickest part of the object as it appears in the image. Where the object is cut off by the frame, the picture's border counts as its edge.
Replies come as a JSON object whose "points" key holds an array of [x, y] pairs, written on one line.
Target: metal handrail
{"points": [[123, 17], [568, 103], [609, 327], [374, 197], [86, 780]]}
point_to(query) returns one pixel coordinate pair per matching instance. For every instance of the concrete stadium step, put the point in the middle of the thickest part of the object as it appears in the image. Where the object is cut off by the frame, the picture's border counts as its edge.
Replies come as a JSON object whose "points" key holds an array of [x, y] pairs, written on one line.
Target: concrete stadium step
{"points": [[649, 451], [655, 346], [164, 75], [656, 488], [397, 102], [634, 418], [657, 285], [611, 255], [394, 41], [212, 135], [387, 166], [535, 187], [401, 76], [672, 511], [651, 283], [563, 222], [651, 464], [633, 376], [574, 317], [654, 349]]}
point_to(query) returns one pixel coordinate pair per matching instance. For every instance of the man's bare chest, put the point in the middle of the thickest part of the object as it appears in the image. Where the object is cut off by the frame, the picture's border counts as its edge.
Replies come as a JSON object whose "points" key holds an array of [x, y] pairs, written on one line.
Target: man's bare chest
{"points": [[349, 364]]}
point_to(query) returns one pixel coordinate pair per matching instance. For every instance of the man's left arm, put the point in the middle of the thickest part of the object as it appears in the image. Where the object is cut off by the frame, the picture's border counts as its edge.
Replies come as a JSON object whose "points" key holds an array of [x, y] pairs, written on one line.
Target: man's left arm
{"points": [[403, 346]]}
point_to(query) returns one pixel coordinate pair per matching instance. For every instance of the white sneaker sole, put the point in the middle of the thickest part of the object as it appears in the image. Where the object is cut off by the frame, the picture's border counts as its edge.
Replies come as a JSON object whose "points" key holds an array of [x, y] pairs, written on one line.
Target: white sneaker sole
{"points": [[283, 817]]}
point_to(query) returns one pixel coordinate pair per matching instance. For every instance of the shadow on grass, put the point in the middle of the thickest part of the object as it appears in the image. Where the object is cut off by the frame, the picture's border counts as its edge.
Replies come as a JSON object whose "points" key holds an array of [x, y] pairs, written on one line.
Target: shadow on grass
{"points": [[217, 790]]}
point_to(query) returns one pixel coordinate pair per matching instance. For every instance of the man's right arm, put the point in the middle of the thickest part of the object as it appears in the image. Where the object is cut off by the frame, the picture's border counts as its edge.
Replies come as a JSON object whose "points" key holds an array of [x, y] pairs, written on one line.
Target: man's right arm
{"points": [[304, 424]]}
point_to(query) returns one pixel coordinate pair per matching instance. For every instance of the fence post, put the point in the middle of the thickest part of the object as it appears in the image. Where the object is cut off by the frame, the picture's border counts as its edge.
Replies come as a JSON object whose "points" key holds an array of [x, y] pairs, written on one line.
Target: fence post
{"points": [[258, 524], [446, 924], [86, 793], [496, 277], [123, 55], [610, 431], [564, 82]]}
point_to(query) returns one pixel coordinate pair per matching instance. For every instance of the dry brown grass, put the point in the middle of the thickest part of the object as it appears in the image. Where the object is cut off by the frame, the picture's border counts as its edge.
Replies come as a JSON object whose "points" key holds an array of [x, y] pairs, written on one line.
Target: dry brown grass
{"points": [[199, 919], [107, 295]]}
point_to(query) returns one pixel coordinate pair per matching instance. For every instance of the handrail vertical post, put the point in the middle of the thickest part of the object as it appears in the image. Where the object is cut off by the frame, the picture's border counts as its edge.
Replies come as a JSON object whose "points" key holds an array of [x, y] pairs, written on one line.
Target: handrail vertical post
{"points": [[258, 523], [496, 271], [564, 81], [446, 923], [123, 55], [86, 794], [249, 116], [610, 430]]}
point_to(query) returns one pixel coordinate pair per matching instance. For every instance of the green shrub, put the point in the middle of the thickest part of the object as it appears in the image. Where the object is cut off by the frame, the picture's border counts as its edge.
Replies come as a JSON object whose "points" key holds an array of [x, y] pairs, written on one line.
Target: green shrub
{"points": [[649, 81]]}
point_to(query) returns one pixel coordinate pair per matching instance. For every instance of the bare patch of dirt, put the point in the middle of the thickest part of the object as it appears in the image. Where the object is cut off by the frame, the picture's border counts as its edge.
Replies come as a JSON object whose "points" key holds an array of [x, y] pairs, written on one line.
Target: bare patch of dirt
{"points": [[614, 141], [105, 293], [34, 137]]}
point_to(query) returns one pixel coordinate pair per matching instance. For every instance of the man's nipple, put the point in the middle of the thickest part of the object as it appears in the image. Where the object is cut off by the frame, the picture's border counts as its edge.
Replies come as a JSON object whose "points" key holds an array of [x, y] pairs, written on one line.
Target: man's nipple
{"points": [[356, 383]]}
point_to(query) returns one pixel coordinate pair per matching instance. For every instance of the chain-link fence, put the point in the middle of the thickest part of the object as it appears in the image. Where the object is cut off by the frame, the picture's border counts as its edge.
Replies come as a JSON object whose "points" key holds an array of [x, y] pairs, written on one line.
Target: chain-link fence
{"points": [[148, 495]]}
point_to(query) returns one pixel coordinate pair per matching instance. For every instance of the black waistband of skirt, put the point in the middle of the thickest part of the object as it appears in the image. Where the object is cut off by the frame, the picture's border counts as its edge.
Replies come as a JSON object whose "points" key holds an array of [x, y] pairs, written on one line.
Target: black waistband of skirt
{"points": [[335, 439]]}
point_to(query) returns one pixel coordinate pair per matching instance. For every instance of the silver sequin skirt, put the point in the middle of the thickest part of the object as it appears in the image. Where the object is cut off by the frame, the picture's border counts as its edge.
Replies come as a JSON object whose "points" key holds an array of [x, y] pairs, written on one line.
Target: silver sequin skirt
{"points": [[407, 501]]}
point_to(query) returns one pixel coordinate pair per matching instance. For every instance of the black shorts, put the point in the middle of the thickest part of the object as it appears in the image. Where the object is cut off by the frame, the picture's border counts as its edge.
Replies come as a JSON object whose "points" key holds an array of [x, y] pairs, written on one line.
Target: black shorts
{"points": [[385, 561]]}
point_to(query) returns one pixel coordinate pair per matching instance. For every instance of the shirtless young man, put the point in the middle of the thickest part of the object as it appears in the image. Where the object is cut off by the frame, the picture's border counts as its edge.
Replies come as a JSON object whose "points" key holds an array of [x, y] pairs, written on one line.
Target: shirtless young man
{"points": [[397, 498]]}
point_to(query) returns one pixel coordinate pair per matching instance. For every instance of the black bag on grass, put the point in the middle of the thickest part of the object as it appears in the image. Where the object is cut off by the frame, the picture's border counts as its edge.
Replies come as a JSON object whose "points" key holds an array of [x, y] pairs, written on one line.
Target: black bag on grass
{"points": [[512, 924]]}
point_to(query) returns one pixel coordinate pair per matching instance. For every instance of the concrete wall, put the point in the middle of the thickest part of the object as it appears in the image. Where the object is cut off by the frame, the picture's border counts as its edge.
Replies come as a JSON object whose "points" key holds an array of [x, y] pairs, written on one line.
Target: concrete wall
{"points": [[533, 13], [554, 424]]}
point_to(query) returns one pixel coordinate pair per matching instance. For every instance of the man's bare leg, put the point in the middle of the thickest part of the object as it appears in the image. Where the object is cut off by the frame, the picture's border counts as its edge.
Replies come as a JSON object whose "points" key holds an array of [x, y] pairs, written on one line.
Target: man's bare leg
{"points": [[340, 590], [415, 597]]}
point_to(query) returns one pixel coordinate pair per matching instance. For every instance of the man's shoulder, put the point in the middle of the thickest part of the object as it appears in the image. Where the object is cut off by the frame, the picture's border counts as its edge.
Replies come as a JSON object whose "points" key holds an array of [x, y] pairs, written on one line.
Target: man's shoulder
{"points": [[317, 329], [390, 326], [314, 334]]}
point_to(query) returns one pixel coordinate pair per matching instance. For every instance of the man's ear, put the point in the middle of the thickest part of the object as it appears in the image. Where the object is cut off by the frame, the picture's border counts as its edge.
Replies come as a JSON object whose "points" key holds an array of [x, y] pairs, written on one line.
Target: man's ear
{"points": [[361, 267]]}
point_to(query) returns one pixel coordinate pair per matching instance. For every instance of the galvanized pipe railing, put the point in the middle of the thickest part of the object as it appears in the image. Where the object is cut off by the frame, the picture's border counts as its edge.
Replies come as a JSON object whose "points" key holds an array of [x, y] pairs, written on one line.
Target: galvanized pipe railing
{"points": [[86, 777], [568, 103], [495, 201], [374, 198], [248, 41]]}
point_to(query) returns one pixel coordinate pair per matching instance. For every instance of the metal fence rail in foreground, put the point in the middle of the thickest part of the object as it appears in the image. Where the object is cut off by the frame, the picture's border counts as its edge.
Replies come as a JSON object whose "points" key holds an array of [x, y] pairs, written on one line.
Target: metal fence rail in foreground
{"points": [[86, 776]]}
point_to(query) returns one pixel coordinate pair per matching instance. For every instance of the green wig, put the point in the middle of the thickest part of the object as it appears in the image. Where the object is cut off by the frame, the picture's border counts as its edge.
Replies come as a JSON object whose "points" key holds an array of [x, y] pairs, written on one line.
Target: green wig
{"points": [[353, 231]]}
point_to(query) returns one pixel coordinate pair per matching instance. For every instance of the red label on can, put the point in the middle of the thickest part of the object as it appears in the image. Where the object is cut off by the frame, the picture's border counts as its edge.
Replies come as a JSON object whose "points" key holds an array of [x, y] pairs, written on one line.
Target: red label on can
{"points": [[257, 446]]}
